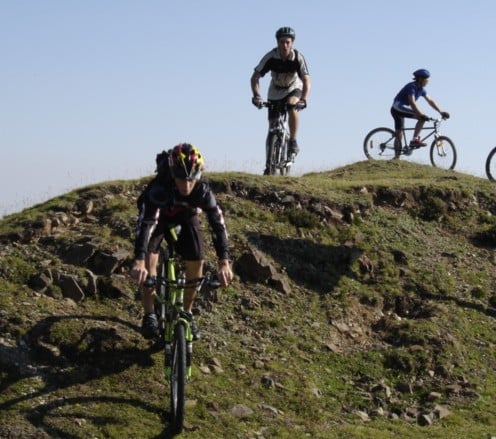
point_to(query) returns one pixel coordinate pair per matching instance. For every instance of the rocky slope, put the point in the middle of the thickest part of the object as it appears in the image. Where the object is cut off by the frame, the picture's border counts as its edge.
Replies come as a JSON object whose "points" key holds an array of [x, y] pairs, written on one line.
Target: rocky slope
{"points": [[359, 300]]}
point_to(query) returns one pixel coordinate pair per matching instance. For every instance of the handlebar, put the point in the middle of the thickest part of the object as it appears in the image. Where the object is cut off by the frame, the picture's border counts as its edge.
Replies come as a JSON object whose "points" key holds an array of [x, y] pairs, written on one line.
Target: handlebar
{"points": [[278, 105], [210, 280]]}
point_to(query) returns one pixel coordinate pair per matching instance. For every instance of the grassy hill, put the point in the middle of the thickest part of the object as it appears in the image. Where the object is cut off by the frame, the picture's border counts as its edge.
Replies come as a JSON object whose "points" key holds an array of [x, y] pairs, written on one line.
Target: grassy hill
{"points": [[378, 320]]}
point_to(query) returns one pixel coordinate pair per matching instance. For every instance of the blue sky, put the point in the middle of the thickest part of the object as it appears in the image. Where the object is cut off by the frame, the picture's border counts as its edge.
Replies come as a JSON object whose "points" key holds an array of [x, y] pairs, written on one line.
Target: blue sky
{"points": [[91, 91]]}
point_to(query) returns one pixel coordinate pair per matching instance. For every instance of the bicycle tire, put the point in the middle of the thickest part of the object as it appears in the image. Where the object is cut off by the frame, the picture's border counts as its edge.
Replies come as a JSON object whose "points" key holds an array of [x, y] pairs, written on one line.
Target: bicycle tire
{"points": [[161, 290], [443, 153], [178, 378], [284, 163], [491, 165], [379, 144], [273, 146]]}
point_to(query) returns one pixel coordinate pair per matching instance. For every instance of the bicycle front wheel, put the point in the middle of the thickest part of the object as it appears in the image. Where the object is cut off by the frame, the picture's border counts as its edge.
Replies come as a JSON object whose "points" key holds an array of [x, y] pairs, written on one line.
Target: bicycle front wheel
{"points": [[443, 153], [161, 290], [178, 379], [491, 165], [273, 149], [379, 144]]}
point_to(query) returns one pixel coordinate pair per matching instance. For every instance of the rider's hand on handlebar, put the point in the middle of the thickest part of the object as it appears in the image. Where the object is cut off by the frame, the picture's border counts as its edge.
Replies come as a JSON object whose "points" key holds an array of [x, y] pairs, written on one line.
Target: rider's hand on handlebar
{"points": [[257, 101], [301, 104], [445, 115]]}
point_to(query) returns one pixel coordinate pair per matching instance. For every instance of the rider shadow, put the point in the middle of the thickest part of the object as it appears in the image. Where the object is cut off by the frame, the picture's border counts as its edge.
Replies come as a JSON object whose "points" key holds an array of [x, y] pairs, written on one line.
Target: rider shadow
{"points": [[100, 350], [317, 267]]}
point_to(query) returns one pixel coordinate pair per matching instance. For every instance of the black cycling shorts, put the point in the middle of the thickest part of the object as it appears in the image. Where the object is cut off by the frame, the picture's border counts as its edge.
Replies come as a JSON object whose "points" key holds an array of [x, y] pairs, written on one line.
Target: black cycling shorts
{"points": [[190, 243], [273, 114], [399, 117]]}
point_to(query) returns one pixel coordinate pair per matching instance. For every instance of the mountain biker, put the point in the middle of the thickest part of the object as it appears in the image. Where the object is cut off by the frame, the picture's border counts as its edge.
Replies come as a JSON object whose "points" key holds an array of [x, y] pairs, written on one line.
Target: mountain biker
{"points": [[290, 83], [404, 105], [176, 196]]}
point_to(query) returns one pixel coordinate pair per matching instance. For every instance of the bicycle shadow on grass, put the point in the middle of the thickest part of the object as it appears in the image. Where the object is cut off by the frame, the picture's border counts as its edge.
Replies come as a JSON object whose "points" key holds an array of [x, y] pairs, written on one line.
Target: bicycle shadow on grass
{"points": [[56, 417], [98, 346], [317, 267]]}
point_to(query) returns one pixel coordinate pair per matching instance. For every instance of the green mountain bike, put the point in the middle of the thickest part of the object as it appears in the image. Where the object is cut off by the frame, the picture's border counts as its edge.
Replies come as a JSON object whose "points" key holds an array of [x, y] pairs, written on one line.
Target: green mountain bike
{"points": [[175, 324]]}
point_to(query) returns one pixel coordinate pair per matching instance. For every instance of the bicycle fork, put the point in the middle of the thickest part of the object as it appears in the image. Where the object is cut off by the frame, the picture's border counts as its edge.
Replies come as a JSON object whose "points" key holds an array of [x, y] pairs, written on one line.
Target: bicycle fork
{"points": [[440, 145]]}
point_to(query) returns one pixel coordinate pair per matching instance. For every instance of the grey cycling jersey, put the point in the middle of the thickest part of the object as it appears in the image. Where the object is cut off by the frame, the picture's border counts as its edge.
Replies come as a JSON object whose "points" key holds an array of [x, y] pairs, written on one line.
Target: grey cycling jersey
{"points": [[286, 75]]}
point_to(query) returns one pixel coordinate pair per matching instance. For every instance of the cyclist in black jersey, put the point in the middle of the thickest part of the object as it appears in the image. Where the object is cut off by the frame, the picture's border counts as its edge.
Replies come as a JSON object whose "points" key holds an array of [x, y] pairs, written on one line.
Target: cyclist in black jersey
{"points": [[176, 197]]}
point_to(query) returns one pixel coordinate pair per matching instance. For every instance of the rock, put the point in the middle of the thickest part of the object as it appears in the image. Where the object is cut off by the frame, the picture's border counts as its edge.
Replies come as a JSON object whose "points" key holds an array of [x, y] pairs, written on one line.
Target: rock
{"points": [[241, 411], [104, 263], [79, 254], [425, 419], [442, 411], [71, 288], [253, 266], [267, 382], [433, 396], [362, 415], [42, 281]]}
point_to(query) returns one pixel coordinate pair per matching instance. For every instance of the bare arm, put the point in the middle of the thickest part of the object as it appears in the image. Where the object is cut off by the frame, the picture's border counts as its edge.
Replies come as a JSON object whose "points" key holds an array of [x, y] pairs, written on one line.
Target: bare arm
{"points": [[255, 83], [433, 104], [415, 108], [307, 85]]}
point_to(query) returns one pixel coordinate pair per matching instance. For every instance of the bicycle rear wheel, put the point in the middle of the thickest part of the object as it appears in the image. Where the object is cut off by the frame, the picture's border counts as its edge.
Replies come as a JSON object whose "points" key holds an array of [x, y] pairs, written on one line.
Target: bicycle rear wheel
{"points": [[443, 153], [379, 144], [491, 165], [178, 379]]}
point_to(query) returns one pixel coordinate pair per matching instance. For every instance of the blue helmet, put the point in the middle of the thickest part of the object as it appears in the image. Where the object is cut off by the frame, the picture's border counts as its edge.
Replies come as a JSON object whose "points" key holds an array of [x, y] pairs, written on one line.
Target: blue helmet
{"points": [[421, 73], [285, 32]]}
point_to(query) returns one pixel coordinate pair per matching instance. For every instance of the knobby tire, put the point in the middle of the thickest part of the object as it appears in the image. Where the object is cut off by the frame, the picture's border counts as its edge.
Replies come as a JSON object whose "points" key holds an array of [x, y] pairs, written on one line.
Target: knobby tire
{"points": [[178, 378], [161, 290], [273, 143], [491, 165]]}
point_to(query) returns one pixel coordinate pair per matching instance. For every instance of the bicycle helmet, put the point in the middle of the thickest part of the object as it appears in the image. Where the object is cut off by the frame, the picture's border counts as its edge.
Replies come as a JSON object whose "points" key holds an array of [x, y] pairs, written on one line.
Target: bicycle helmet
{"points": [[421, 73], [186, 162], [285, 32]]}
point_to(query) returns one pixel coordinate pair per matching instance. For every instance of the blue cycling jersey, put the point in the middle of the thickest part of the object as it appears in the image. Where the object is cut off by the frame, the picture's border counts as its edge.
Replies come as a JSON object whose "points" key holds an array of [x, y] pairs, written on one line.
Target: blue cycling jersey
{"points": [[412, 88]]}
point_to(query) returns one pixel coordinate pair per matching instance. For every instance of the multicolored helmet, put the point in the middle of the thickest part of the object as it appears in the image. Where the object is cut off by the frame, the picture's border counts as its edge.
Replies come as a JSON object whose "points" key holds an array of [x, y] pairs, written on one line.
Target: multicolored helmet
{"points": [[421, 73], [186, 162], [285, 32]]}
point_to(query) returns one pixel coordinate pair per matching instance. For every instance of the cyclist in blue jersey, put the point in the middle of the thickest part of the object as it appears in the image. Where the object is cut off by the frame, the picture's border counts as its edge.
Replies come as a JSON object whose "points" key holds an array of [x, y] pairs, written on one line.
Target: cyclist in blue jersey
{"points": [[404, 105]]}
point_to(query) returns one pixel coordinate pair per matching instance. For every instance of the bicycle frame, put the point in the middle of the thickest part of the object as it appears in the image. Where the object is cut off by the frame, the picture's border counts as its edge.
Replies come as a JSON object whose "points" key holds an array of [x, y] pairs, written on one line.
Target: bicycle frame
{"points": [[380, 143], [175, 324], [434, 132], [170, 297]]}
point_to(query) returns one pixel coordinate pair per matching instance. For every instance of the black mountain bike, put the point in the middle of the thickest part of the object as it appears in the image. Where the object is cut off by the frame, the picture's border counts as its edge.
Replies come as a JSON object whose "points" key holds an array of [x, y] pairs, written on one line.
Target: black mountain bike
{"points": [[379, 144], [491, 165], [277, 158], [175, 324]]}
